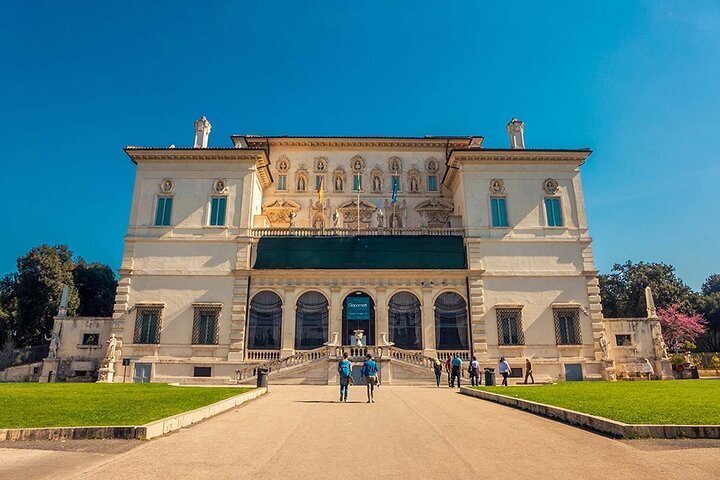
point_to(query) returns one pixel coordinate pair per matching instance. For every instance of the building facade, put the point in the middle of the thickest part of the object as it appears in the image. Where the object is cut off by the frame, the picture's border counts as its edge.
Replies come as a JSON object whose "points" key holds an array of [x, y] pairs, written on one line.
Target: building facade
{"points": [[300, 248]]}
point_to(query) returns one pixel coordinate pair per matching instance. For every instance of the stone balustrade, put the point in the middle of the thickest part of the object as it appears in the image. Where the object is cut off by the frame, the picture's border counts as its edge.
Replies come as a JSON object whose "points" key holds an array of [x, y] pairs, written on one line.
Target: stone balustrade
{"points": [[347, 232]]}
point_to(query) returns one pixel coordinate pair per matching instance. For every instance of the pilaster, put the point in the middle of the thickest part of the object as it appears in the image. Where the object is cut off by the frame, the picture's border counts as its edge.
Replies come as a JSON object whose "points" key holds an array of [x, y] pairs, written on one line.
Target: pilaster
{"points": [[381, 314], [477, 317], [287, 334], [428, 322]]}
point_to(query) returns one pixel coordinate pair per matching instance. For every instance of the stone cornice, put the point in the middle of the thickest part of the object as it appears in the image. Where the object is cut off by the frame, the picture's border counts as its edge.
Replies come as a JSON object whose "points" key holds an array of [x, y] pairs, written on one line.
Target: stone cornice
{"points": [[416, 143], [256, 155], [466, 156]]}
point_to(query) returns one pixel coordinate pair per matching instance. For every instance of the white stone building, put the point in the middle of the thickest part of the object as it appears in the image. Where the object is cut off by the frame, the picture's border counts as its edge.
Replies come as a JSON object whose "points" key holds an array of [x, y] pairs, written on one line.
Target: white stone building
{"points": [[271, 250]]}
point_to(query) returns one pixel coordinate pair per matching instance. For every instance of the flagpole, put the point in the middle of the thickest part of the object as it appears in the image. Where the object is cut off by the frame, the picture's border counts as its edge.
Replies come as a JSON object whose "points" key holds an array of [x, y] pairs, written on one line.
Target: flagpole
{"points": [[359, 185]]}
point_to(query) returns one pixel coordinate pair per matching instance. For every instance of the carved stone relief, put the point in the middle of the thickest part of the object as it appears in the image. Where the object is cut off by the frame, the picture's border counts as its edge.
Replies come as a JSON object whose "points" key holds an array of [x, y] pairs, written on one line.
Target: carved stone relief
{"points": [[435, 213], [278, 212]]}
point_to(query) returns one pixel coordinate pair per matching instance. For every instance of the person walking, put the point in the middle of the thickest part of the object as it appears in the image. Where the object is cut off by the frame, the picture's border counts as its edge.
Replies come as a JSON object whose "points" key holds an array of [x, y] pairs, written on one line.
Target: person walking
{"points": [[474, 371], [456, 365], [370, 374], [448, 369], [504, 369], [345, 373], [528, 371], [438, 369]]}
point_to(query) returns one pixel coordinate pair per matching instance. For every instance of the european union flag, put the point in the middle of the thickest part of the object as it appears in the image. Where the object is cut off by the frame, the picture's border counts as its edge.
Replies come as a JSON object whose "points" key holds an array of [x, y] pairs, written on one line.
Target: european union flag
{"points": [[395, 183]]}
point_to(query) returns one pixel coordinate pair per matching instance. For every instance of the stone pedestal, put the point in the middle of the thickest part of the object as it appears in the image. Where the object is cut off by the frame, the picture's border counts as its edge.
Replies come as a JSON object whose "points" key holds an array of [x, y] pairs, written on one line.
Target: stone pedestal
{"points": [[49, 370], [663, 369], [106, 374]]}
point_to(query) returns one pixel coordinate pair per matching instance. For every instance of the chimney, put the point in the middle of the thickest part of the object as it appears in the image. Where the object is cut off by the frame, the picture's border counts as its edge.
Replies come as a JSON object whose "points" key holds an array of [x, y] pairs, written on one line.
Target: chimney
{"points": [[202, 132], [517, 135]]}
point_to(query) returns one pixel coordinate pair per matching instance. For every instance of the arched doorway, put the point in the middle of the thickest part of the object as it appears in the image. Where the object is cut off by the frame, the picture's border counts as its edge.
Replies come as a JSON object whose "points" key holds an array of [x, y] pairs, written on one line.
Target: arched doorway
{"points": [[451, 325], [265, 322], [311, 321], [358, 313], [405, 321]]}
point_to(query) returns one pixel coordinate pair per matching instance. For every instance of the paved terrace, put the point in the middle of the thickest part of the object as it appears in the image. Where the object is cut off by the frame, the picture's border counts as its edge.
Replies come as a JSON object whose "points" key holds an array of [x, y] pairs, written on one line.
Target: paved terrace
{"points": [[410, 433]]}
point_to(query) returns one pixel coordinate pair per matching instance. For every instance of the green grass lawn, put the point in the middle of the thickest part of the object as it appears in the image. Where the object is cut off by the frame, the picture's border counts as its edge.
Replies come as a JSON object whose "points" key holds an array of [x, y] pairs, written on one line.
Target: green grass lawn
{"points": [[82, 404], [680, 402]]}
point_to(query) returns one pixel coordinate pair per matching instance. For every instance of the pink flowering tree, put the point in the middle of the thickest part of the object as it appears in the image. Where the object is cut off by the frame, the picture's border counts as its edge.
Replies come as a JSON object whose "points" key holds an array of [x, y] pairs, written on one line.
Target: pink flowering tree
{"points": [[679, 327]]}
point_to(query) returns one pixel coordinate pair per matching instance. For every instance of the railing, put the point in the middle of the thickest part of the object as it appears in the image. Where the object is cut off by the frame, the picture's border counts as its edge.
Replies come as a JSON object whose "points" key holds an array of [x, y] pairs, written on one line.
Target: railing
{"points": [[416, 357], [274, 365], [445, 354], [349, 232], [24, 355], [259, 355]]}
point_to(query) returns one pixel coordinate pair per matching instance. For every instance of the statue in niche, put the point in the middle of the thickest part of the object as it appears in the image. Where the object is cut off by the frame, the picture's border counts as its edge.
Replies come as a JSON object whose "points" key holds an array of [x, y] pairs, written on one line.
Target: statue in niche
{"points": [[338, 184], [395, 166], [358, 165], [414, 184], [377, 184], [380, 218], [301, 184]]}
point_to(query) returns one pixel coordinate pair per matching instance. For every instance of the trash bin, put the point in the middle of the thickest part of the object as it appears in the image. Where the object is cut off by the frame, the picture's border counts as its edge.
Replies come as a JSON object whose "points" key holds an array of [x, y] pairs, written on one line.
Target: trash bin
{"points": [[262, 374], [489, 377], [694, 372]]}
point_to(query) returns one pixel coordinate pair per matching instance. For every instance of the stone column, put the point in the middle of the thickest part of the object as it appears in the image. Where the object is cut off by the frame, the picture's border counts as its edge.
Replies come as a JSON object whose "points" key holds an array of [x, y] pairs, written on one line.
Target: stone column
{"points": [[287, 342], [381, 314], [428, 322], [335, 314], [476, 317]]}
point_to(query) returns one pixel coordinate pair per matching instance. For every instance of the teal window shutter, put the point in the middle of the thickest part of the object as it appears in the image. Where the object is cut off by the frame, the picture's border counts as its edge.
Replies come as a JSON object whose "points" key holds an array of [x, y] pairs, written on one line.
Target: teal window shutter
{"points": [[499, 213], [217, 211], [282, 182], [357, 182], [553, 211], [164, 210], [432, 183]]}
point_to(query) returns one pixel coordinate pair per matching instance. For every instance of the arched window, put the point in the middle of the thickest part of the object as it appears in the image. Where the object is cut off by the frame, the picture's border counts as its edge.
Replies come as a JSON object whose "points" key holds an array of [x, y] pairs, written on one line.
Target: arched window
{"points": [[405, 321], [265, 323], [451, 325], [311, 321]]}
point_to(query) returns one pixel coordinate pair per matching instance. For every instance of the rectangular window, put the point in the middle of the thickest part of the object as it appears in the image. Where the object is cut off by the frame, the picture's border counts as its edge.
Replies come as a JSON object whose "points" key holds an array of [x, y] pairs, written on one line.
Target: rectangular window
{"points": [[510, 330], [202, 372], [553, 211], [217, 211], [91, 339], [499, 213], [147, 324], [357, 182], [318, 182], [282, 182], [567, 326], [432, 183], [163, 212], [205, 326], [623, 340]]}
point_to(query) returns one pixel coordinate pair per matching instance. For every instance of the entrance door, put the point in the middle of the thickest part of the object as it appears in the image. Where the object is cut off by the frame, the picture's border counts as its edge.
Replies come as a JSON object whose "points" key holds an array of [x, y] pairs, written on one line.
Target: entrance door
{"points": [[573, 372], [358, 313], [142, 373]]}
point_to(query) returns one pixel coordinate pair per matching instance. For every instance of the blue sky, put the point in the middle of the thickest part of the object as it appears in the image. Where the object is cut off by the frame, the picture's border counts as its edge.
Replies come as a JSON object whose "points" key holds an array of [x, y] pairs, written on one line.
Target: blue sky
{"points": [[635, 81]]}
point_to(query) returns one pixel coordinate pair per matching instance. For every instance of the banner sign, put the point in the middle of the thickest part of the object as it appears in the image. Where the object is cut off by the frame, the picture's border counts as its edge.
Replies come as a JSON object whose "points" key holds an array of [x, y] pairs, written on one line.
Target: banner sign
{"points": [[357, 308]]}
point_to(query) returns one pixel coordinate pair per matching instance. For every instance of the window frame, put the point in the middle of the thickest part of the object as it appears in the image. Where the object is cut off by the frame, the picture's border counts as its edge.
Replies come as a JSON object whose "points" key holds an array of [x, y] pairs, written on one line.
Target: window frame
{"points": [[282, 183], [205, 310], [434, 187], [503, 313], [560, 214], [493, 199], [211, 215], [561, 327], [357, 182], [139, 335], [157, 210]]}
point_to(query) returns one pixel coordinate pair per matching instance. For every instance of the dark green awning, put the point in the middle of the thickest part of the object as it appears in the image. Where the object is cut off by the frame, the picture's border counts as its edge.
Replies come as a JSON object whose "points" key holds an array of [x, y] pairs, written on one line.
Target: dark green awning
{"points": [[372, 252]]}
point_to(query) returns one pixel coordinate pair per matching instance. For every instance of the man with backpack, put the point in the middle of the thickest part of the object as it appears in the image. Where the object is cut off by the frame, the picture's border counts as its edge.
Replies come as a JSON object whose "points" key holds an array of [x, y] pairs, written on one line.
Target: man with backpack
{"points": [[456, 365], [345, 372]]}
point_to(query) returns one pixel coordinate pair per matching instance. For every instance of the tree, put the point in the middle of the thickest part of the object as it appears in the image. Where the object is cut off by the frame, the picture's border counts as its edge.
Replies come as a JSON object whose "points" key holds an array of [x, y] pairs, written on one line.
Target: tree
{"points": [[96, 285], [711, 285], [623, 290], [709, 306], [678, 327], [38, 284]]}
